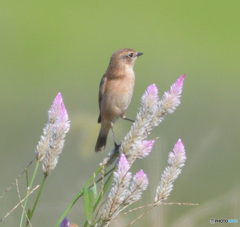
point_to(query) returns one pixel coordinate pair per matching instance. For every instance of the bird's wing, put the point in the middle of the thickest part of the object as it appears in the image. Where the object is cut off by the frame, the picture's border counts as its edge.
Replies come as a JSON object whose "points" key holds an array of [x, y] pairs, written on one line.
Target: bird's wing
{"points": [[101, 92]]}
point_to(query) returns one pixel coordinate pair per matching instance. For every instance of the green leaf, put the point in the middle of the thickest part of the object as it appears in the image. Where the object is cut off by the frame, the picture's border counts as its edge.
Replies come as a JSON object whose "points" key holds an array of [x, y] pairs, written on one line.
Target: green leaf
{"points": [[88, 203]]}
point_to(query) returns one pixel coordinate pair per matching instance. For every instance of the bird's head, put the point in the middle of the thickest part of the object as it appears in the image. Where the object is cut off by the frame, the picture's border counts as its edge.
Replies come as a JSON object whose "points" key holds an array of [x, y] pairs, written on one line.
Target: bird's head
{"points": [[124, 57]]}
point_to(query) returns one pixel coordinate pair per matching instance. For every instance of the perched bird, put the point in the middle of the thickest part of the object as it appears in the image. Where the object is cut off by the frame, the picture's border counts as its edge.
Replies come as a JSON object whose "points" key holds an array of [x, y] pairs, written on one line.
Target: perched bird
{"points": [[115, 92]]}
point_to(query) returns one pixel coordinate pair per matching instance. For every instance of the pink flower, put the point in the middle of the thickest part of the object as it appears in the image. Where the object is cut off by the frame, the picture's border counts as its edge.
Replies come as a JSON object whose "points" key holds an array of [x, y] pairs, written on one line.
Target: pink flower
{"points": [[150, 96], [123, 166], [52, 141], [62, 122], [54, 110], [176, 160], [176, 88], [145, 148], [141, 180], [178, 156], [171, 99]]}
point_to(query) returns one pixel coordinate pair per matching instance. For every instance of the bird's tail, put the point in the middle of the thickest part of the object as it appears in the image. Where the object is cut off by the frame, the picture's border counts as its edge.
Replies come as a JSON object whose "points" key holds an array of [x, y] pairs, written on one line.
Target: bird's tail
{"points": [[102, 137]]}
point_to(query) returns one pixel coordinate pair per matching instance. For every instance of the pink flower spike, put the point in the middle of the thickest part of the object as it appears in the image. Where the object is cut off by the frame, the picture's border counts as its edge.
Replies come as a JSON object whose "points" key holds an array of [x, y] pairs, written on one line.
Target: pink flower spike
{"points": [[123, 165], [54, 110], [141, 179], [63, 112], [176, 88], [139, 184], [152, 90], [178, 156], [148, 144], [176, 160], [56, 129], [63, 120], [171, 99], [179, 152], [151, 95], [146, 148]]}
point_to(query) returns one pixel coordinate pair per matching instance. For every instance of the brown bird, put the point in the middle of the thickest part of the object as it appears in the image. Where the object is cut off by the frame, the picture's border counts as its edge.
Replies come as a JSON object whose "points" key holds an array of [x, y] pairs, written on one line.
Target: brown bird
{"points": [[115, 92]]}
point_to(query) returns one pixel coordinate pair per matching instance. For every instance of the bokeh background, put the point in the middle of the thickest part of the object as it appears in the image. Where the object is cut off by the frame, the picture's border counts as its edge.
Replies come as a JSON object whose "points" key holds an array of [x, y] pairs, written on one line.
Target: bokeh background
{"points": [[48, 47]]}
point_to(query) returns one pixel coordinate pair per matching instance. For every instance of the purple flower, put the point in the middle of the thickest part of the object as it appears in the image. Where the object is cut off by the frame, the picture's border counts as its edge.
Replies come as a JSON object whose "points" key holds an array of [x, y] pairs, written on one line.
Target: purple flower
{"points": [[65, 223]]}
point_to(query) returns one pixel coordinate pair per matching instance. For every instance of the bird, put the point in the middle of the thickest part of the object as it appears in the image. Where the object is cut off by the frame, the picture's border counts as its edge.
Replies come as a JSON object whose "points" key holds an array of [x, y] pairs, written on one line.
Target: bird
{"points": [[115, 92]]}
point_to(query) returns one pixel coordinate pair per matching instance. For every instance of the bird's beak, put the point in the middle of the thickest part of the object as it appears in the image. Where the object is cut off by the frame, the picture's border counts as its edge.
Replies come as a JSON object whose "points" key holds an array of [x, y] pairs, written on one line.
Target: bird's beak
{"points": [[139, 54]]}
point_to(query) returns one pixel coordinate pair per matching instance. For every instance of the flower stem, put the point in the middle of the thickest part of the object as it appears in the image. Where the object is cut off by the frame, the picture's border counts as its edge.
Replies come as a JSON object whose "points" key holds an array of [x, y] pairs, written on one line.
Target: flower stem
{"points": [[37, 199], [78, 195], [28, 191]]}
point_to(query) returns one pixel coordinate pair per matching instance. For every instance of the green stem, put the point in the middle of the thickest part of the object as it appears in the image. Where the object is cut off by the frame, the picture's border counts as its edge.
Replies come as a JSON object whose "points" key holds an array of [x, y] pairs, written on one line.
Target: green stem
{"points": [[101, 177], [102, 193], [78, 196], [37, 199], [28, 190], [109, 180]]}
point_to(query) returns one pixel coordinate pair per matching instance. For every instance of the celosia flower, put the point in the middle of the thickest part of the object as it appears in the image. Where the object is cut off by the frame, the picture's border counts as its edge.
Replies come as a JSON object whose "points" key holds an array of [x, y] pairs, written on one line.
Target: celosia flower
{"points": [[52, 140], [151, 113], [170, 101], [178, 156], [143, 149], [125, 190], [176, 160], [141, 127], [138, 185], [56, 143], [54, 110], [119, 191], [150, 97]]}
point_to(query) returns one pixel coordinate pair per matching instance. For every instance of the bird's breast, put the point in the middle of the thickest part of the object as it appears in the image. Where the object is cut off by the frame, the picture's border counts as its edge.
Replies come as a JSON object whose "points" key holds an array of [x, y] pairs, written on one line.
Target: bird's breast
{"points": [[117, 96]]}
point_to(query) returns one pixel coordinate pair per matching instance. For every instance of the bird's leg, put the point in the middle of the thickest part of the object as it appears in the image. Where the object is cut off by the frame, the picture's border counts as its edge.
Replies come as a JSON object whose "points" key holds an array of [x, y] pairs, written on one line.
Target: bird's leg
{"points": [[114, 138], [127, 119]]}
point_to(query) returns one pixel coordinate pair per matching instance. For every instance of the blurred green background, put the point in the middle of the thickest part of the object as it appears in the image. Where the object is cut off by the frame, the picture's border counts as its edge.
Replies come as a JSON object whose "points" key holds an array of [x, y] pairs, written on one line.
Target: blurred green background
{"points": [[48, 47]]}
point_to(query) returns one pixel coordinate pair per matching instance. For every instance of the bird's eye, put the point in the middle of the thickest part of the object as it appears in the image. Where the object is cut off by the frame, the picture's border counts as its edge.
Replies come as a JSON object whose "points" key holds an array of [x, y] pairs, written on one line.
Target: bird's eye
{"points": [[130, 55]]}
